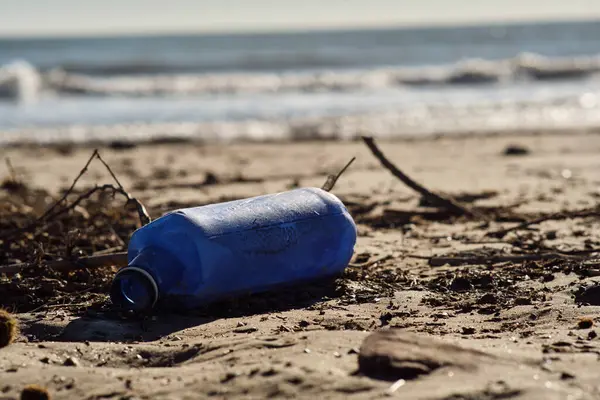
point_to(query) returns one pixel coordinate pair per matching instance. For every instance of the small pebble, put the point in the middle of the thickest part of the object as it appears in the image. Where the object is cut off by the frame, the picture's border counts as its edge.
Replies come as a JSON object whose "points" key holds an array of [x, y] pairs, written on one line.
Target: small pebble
{"points": [[592, 335], [245, 329], [515, 150], [585, 323], [467, 330], [71, 362], [35, 392]]}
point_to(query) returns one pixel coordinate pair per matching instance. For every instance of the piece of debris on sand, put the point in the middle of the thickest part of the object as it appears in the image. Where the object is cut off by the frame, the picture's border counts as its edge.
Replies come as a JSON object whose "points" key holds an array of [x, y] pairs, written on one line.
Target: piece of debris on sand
{"points": [[8, 328]]}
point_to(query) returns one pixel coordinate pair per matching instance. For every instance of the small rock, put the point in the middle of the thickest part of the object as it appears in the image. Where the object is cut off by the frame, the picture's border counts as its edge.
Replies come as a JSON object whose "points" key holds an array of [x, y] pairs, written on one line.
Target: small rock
{"points": [[394, 354], [35, 392], [229, 377], [121, 145], [585, 323], [548, 278], [515, 150], [589, 295], [71, 362], [566, 376], [210, 179], [487, 298], [592, 335], [522, 301], [245, 329], [270, 372], [467, 330], [303, 324], [461, 284], [385, 318]]}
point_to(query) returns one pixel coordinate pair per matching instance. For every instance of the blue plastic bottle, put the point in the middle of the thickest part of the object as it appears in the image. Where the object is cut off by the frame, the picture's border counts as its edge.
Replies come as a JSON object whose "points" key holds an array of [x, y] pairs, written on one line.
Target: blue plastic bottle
{"points": [[197, 255]]}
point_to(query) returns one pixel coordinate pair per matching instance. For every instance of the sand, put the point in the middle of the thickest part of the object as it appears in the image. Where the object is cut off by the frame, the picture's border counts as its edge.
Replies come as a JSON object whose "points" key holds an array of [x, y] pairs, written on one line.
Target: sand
{"points": [[515, 327]]}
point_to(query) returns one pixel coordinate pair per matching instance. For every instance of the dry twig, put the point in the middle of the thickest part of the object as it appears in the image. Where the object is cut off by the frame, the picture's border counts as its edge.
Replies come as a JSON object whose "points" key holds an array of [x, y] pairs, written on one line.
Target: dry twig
{"points": [[142, 213], [54, 211], [558, 216], [482, 260], [371, 262], [332, 179], [433, 198], [70, 190], [11, 170]]}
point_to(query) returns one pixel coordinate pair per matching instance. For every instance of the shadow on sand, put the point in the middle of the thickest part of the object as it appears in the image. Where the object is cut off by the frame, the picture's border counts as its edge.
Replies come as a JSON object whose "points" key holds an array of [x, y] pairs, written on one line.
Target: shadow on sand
{"points": [[111, 325]]}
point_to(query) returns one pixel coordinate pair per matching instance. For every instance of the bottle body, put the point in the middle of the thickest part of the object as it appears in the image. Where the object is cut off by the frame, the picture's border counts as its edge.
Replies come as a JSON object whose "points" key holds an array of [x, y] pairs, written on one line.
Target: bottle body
{"points": [[202, 254]]}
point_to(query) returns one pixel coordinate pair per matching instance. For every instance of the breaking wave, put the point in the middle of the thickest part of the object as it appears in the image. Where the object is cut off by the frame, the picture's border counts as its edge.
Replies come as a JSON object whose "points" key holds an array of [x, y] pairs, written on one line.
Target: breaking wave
{"points": [[20, 80]]}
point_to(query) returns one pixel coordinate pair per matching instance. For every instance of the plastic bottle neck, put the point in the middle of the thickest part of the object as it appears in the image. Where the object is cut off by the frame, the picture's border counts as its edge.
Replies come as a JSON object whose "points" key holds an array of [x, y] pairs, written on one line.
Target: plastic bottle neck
{"points": [[133, 287]]}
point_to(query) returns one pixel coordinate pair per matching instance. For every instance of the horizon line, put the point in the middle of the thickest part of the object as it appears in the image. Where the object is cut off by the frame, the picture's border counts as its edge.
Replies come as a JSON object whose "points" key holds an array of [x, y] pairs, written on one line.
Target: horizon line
{"points": [[292, 31]]}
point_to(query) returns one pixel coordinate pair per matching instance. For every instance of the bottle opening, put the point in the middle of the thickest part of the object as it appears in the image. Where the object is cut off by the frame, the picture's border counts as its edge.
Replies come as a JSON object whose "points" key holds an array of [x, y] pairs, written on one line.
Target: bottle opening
{"points": [[134, 289]]}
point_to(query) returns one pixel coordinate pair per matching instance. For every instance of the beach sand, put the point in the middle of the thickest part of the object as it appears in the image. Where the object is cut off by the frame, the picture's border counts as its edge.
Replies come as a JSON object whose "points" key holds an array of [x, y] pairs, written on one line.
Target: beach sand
{"points": [[524, 330]]}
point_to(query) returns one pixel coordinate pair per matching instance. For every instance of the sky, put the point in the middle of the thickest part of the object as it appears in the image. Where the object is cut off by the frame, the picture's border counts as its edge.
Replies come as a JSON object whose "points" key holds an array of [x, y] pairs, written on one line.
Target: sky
{"points": [[109, 17]]}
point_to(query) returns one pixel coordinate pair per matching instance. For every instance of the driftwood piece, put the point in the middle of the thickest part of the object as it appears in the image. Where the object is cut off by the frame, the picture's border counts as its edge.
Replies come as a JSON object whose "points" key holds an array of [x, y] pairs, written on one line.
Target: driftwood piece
{"points": [[394, 354], [104, 260], [438, 261], [433, 198]]}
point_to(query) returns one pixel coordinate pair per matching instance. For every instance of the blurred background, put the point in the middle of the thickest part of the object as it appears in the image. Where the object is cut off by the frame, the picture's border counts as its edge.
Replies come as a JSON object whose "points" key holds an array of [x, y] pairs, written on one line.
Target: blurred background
{"points": [[74, 70]]}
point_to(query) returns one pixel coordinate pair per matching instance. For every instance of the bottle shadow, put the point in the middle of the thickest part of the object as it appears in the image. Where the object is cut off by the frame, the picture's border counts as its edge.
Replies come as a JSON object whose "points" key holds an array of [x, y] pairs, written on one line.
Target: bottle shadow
{"points": [[108, 324]]}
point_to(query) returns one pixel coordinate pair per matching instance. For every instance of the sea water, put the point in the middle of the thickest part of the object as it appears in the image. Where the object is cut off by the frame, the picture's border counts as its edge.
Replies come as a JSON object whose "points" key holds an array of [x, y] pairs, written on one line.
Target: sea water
{"points": [[301, 84]]}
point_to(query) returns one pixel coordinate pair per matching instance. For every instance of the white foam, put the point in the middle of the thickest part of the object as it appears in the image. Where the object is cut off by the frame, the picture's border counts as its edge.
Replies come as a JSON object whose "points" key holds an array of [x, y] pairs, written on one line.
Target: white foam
{"points": [[21, 81]]}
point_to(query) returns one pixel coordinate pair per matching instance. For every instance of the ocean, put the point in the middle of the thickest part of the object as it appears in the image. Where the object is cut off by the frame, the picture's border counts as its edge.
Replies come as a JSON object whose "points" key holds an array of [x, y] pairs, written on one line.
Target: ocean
{"points": [[303, 85]]}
